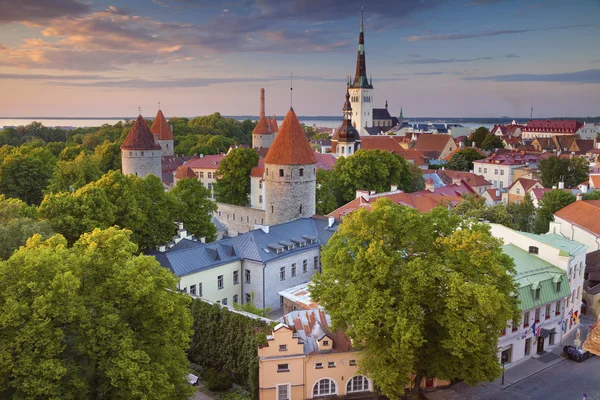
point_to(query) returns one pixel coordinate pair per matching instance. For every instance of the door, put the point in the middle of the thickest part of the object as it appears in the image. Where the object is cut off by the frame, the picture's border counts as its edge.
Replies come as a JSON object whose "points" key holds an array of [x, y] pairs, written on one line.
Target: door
{"points": [[540, 346]]}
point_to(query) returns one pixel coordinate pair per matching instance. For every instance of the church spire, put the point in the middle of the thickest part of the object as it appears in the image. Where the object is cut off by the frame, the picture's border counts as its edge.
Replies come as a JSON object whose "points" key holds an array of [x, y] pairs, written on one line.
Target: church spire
{"points": [[360, 76], [401, 115]]}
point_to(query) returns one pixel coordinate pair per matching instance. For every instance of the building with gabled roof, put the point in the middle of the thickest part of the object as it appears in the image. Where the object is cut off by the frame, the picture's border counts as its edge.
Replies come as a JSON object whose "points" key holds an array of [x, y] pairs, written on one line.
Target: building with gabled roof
{"points": [[579, 221], [549, 127], [477, 182], [520, 188], [140, 152], [436, 147], [164, 133]]}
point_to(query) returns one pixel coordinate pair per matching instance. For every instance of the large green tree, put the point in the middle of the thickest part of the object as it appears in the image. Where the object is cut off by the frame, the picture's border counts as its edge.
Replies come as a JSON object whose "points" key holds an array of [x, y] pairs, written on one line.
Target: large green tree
{"points": [[492, 142], [418, 293], [463, 159], [571, 171], [233, 176], [109, 154], [523, 214], [593, 195], [91, 321], [196, 208], [479, 135], [25, 172], [552, 201], [71, 175], [474, 207]]}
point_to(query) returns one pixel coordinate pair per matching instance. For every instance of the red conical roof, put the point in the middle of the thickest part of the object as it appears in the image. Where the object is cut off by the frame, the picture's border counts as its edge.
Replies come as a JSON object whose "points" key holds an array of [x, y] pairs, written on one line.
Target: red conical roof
{"points": [[184, 172], [274, 126], [161, 127], [262, 127], [140, 137], [290, 146]]}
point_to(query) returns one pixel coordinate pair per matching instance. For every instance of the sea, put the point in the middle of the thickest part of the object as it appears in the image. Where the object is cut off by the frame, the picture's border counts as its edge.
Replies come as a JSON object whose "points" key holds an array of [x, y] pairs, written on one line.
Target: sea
{"points": [[320, 122]]}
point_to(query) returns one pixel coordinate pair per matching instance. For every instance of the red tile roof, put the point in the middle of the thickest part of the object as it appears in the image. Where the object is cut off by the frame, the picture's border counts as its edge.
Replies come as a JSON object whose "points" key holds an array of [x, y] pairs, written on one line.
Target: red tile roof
{"points": [[525, 183], [538, 193], [433, 143], [390, 143], [184, 172], [595, 181], [290, 147], [262, 127], [161, 128], [207, 162], [140, 137], [472, 179], [274, 126], [583, 213], [495, 194], [325, 161], [505, 129], [552, 125]]}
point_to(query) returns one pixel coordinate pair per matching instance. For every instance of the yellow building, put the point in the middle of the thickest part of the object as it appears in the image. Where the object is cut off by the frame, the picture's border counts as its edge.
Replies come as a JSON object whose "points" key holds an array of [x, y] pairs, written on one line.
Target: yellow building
{"points": [[303, 359]]}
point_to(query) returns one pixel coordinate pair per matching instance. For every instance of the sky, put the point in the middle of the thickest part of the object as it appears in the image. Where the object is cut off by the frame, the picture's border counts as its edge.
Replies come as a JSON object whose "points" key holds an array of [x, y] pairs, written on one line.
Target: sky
{"points": [[469, 58]]}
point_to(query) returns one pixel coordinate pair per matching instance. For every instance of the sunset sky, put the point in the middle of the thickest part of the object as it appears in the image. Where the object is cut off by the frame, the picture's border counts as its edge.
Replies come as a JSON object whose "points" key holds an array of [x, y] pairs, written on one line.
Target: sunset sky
{"points": [[435, 58]]}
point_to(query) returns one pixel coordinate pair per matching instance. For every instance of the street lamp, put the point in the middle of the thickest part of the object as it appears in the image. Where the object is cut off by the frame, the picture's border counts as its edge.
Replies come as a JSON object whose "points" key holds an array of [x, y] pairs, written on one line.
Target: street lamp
{"points": [[503, 361]]}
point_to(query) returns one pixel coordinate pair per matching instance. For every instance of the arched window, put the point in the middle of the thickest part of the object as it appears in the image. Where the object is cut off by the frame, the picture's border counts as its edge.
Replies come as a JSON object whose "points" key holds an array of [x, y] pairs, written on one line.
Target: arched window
{"points": [[358, 383], [324, 387]]}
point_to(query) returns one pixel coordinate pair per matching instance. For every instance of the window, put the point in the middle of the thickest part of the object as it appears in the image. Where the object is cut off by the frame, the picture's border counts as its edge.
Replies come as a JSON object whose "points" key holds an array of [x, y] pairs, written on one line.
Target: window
{"points": [[547, 313], [224, 301], [300, 211], [248, 298], [324, 387], [526, 319], [537, 294], [518, 190], [479, 170], [142, 154], [331, 364], [201, 174], [501, 184], [283, 347], [352, 363], [495, 172], [580, 269], [220, 282], [280, 172], [501, 172], [533, 250], [537, 315], [236, 277], [282, 273], [515, 326], [304, 265], [281, 301], [283, 392], [185, 289], [557, 309], [301, 172], [558, 286], [209, 175], [358, 383], [325, 342], [293, 269], [319, 365], [260, 199], [193, 289], [209, 185], [235, 299], [247, 274], [200, 289], [527, 347], [316, 261], [130, 153], [283, 368], [260, 184], [485, 170]]}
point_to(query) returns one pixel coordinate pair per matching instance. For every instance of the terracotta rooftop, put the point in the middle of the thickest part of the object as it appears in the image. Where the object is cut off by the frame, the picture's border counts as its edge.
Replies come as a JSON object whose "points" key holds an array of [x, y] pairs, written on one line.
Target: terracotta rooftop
{"points": [[434, 143], [161, 128], [262, 127], [538, 193], [505, 129], [184, 172], [552, 125], [583, 213], [595, 181], [495, 194], [206, 162], [525, 183], [290, 146], [310, 326], [140, 137], [325, 161], [474, 180], [274, 126]]}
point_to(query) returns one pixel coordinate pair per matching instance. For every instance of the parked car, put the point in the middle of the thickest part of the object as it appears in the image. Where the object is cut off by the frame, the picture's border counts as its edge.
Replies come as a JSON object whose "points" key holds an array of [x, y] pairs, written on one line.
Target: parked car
{"points": [[572, 353], [192, 379]]}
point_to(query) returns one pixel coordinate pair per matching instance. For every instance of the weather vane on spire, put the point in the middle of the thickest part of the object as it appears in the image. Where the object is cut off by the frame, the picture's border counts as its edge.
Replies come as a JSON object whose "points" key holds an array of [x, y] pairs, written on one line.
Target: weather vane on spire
{"points": [[291, 88], [139, 110], [159, 104]]}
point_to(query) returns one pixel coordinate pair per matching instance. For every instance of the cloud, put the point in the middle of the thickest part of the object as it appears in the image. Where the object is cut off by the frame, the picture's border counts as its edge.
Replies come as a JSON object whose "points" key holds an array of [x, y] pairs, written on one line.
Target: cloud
{"points": [[53, 77], [586, 76], [460, 36], [417, 59], [35, 12]]}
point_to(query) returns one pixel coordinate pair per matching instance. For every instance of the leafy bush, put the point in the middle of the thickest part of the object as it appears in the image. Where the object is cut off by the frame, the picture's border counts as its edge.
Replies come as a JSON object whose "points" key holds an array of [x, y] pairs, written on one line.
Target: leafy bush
{"points": [[216, 381]]}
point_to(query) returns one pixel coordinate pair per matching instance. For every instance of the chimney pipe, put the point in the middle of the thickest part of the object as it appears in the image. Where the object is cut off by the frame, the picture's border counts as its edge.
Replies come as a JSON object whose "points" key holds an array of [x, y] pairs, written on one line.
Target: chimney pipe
{"points": [[262, 102]]}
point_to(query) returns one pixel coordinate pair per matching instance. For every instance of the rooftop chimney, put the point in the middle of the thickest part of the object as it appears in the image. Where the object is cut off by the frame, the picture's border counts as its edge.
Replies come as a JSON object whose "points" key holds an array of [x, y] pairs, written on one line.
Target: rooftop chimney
{"points": [[331, 221], [262, 102], [393, 188], [561, 185], [579, 196], [362, 193]]}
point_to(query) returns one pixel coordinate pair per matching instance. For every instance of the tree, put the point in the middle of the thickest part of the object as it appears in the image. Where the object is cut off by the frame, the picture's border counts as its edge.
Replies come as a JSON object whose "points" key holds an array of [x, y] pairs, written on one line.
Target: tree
{"points": [[474, 207], [109, 154], [492, 142], [523, 214], [325, 192], [25, 173], [407, 288], [593, 195], [91, 321], [552, 201], [570, 171], [196, 208], [233, 176], [18, 222], [479, 135], [69, 153], [71, 175], [463, 159]]}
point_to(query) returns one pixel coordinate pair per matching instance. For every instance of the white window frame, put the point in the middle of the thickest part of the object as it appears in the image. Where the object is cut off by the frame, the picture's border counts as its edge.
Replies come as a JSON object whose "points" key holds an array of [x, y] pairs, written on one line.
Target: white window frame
{"points": [[319, 394], [368, 384], [220, 282], [288, 387], [283, 370]]}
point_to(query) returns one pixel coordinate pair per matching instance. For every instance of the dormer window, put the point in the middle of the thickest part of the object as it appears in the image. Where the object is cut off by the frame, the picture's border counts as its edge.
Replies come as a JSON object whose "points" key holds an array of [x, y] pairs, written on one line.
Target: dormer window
{"points": [[325, 342], [558, 287], [537, 294], [533, 250]]}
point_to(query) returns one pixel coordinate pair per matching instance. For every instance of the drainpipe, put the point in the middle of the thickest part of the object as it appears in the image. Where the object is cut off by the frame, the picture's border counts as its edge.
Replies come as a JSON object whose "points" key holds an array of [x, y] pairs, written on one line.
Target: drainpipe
{"points": [[263, 288]]}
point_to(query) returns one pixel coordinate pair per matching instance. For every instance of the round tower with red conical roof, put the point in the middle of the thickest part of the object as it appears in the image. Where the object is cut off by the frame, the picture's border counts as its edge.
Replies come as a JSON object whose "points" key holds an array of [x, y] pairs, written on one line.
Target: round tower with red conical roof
{"points": [[290, 174], [162, 130], [262, 135], [140, 152]]}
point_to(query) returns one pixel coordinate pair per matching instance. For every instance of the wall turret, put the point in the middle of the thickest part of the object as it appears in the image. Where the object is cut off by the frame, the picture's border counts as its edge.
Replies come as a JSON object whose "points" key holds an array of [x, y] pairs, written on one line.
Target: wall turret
{"points": [[140, 152]]}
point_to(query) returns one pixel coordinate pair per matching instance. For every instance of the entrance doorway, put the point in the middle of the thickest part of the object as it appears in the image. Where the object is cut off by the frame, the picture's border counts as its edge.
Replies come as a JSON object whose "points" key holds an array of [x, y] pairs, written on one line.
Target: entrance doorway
{"points": [[540, 344]]}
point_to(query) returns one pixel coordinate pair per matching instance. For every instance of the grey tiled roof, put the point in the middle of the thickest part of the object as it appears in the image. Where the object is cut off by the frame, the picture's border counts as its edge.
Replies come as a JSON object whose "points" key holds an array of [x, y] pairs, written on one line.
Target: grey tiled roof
{"points": [[381, 113], [198, 258]]}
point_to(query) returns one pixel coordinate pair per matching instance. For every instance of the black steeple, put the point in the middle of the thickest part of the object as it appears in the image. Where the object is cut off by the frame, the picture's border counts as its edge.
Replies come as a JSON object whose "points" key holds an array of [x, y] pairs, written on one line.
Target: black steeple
{"points": [[360, 76], [346, 132]]}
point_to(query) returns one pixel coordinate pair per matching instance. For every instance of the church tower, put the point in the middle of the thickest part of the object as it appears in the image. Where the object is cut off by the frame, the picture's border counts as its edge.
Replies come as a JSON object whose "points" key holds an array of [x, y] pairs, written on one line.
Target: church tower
{"points": [[361, 90], [140, 152], [262, 136], [163, 131], [347, 137], [290, 174]]}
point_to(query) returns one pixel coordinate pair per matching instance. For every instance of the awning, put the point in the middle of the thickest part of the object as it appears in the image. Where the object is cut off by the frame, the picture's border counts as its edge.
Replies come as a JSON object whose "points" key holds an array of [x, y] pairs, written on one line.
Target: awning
{"points": [[545, 332]]}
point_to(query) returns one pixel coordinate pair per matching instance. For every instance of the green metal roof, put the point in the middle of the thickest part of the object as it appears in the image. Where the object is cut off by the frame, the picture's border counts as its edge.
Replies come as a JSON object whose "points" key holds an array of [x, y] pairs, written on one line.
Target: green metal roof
{"points": [[566, 246], [532, 273]]}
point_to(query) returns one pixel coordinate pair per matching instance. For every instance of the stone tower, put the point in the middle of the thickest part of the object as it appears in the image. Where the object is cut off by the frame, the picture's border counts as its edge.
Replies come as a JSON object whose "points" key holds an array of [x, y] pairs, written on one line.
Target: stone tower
{"points": [[290, 174], [140, 152], [163, 131], [346, 137], [361, 91], [262, 136]]}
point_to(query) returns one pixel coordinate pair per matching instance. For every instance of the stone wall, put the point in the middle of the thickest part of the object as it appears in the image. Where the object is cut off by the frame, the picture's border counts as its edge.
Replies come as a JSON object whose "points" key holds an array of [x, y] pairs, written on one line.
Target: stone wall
{"points": [[167, 147], [262, 140], [238, 219], [141, 163], [290, 196]]}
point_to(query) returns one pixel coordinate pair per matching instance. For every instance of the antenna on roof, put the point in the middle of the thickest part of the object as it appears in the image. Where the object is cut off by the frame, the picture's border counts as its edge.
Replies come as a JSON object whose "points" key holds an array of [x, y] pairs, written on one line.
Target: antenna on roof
{"points": [[291, 88]]}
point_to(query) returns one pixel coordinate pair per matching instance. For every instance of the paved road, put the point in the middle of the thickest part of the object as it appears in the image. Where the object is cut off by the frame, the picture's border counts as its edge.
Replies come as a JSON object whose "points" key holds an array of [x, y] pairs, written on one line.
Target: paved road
{"points": [[566, 380]]}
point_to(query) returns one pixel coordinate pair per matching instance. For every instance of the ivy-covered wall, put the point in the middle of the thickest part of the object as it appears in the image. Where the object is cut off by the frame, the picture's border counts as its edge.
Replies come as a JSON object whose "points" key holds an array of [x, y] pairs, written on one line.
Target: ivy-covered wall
{"points": [[228, 342]]}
